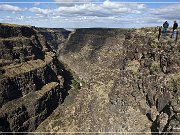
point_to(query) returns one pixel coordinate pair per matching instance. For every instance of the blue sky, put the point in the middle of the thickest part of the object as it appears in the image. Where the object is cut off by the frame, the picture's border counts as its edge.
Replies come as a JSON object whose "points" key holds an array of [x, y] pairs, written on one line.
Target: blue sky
{"points": [[89, 13]]}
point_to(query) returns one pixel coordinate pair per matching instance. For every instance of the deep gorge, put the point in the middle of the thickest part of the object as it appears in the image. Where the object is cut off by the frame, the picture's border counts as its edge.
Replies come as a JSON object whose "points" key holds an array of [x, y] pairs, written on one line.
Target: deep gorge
{"points": [[90, 80]]}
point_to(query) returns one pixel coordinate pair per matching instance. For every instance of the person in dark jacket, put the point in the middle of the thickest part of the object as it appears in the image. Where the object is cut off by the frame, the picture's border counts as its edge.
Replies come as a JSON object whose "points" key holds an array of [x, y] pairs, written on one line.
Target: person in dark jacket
{"points": [[175, 26], [165, 27]]}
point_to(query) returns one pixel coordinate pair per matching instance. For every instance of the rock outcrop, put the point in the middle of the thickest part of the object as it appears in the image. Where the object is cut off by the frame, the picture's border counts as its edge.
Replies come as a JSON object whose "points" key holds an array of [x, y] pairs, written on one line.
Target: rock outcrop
{"points": [[126, 80], [132, 83], [54, 37], [31, 81]]}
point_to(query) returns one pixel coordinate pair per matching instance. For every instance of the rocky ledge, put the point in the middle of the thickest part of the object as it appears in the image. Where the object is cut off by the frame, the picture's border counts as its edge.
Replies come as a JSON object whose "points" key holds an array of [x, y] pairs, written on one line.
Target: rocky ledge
{"points": [[31, 81]]}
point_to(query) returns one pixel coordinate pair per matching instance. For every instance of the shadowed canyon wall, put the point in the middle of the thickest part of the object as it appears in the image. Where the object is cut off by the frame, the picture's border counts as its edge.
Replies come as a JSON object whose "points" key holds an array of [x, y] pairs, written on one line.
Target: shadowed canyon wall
{"points": [[31, 81]]}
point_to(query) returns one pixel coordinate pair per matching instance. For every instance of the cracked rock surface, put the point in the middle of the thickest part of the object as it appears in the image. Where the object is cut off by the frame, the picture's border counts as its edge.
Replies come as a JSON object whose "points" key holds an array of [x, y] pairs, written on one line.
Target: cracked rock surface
{"points": [[104, 80], [132, 83], [31, 81]]}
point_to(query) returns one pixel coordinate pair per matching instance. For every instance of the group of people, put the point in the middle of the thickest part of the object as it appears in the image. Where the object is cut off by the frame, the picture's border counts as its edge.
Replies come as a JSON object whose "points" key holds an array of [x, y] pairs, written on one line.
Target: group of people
{"points": [[166, 25]]}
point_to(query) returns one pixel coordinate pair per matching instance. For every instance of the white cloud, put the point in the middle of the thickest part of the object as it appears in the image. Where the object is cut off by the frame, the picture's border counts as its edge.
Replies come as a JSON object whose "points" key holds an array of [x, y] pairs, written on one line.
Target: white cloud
{"points": [[106, 14], [68, 3], [6, 7], [40, 11], [170, 12], [106, 9], [112, 5]]}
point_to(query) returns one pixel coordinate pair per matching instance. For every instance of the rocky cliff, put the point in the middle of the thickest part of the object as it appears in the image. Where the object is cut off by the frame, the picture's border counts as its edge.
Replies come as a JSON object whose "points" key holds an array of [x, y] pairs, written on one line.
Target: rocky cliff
{"points": [[54, 37], [31, 77], [131, 82], [121, 80]]}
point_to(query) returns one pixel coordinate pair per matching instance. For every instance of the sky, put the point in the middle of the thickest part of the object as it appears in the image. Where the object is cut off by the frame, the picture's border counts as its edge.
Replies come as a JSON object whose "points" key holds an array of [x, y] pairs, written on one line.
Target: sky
{"points": [[90, 13]]}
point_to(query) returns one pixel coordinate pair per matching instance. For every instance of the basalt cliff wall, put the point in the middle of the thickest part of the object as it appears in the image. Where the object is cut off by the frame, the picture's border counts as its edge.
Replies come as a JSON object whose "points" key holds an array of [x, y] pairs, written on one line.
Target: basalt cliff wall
{"points": [[31, 77], [132, 83], [128, 80]]}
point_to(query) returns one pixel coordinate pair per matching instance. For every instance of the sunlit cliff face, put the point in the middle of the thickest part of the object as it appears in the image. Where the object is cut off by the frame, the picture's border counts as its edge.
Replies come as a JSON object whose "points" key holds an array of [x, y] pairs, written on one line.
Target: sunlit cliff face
{"points": [[100, 80], [129, 77]]}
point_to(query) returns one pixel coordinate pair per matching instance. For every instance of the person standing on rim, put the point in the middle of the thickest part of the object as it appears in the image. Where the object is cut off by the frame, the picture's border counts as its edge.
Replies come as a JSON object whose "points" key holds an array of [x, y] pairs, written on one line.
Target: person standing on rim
{"points": [[174, 29], [165, 26]]}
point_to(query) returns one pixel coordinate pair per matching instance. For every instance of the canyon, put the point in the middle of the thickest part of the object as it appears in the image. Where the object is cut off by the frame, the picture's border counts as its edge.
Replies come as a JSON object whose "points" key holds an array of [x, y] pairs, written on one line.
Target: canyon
{"points": [[90, 80]]}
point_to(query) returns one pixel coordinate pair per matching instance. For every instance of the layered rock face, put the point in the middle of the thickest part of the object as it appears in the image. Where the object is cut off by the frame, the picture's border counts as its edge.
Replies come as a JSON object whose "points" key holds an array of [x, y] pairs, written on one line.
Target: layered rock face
{"points": [[54, 37], [128, 81], [31, 81], [131, 83]]}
